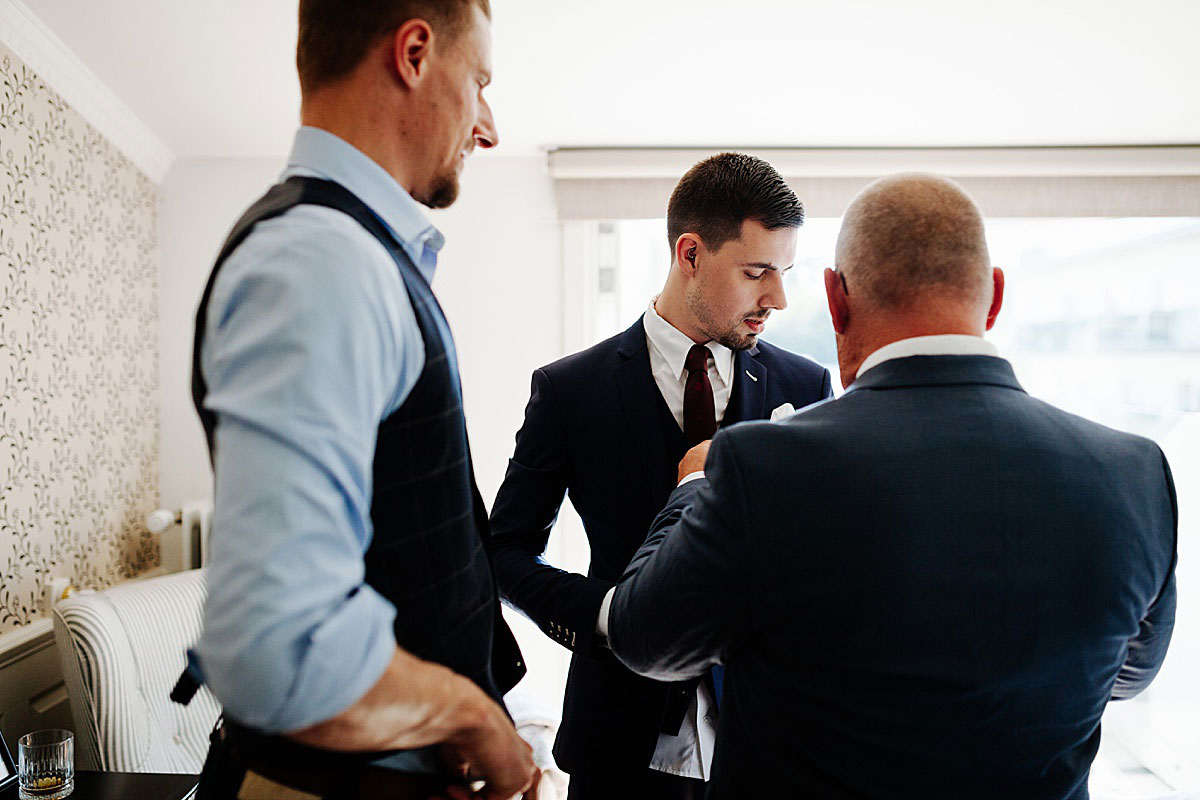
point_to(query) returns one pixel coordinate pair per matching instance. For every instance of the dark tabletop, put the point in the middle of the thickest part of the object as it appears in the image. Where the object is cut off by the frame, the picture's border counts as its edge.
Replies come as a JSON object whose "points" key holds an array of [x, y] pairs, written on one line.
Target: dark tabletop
{"points": [[125, 785]]}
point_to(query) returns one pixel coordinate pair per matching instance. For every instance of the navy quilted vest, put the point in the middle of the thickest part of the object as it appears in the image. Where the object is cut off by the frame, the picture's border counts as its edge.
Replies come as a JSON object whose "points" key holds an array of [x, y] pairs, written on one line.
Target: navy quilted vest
{"points": [[429, 554]]}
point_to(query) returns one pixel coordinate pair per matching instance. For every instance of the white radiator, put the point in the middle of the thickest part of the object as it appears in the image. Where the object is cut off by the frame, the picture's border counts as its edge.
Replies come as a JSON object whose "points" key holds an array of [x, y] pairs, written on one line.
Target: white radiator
{"points": [[183, 536]]}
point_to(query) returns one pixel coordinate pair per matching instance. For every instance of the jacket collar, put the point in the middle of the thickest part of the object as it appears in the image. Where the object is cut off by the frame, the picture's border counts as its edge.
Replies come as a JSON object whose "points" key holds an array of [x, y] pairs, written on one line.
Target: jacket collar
{"points": [[638, 395], [914, 371], [633, 340], [673, 345], [944, 344]]}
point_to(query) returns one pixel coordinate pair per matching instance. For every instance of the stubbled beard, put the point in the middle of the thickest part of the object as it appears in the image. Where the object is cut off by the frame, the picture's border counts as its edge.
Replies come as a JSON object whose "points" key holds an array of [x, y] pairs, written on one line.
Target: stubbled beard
{"points": [[729, 337], [442, 194], [737, 341]]}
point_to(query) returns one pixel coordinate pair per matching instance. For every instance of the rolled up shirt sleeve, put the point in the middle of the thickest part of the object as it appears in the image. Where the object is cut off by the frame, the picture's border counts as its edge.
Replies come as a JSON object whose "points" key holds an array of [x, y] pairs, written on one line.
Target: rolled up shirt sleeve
{"points": [[310, 343]]}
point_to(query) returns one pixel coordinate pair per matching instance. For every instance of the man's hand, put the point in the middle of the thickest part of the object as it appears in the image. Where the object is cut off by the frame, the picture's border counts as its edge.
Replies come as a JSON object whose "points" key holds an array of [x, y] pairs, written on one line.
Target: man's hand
{"points": [[460, 793], [417, 703], [693, 460], [488, 748]]}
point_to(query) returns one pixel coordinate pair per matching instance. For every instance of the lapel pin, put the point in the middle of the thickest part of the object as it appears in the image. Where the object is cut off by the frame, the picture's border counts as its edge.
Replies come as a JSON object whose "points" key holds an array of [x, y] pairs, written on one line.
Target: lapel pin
{"points": [[751, 377]]}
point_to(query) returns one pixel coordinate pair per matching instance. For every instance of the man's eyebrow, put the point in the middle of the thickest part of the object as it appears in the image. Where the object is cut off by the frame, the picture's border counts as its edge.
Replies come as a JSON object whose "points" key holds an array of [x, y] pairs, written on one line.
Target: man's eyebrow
{"points": [[761, 265]]}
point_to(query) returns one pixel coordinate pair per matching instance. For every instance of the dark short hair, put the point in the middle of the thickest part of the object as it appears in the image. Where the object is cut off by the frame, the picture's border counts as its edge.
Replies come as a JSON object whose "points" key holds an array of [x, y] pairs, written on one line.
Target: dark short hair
{"points": [[717, 195], [335, 35]]}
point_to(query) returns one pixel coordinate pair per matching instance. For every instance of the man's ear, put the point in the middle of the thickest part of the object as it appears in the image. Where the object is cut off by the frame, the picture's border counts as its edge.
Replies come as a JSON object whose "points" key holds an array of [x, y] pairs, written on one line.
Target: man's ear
{"points": [[839, 311], [997, 296], [686, 247], [412, 44]]}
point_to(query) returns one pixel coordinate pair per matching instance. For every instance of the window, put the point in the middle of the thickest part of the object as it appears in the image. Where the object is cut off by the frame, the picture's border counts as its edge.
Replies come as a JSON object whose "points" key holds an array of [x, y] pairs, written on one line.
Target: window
{"points": [[1102, 318]]}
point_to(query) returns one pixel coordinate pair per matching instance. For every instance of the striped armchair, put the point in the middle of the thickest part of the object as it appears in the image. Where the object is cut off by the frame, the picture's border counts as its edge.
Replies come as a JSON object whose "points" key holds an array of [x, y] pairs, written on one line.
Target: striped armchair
{"points": [[122, 650]]}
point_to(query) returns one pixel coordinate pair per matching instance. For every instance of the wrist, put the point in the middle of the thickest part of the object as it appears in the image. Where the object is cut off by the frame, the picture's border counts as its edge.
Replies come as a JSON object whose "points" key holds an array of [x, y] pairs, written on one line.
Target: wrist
{"points": [[472, 714]]}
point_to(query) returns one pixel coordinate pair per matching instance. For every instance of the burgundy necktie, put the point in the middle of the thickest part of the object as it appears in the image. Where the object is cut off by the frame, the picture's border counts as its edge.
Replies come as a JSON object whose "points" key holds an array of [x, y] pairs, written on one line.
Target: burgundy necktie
{"points": [[700, 423], [699, 414]]}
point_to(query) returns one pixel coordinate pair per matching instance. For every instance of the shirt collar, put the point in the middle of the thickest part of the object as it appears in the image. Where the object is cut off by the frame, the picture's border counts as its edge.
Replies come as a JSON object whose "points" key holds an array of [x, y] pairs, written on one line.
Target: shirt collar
{"points": [[673, 345], [949, 344], [319, 153]]}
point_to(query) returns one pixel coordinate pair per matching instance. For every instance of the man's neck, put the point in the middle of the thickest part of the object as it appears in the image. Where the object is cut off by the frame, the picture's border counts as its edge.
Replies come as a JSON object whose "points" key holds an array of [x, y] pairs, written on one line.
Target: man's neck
{"points": [[898, 328], [326, 111], [672, 307]]}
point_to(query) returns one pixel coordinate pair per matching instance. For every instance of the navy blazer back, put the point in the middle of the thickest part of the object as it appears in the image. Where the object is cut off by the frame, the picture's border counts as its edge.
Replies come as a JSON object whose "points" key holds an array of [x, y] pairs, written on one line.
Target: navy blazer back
{"points": [[941, 582]]}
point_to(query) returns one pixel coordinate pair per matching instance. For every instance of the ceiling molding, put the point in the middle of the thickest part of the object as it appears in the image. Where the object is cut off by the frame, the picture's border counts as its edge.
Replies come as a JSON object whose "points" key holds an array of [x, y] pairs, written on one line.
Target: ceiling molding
{"points": [[61, 69], [870, 162]]}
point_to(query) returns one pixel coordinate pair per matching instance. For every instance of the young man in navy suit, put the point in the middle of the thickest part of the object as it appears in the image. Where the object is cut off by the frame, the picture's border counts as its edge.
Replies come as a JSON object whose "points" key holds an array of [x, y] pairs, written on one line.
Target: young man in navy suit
{"points": [[929, 587], [608, 425]]}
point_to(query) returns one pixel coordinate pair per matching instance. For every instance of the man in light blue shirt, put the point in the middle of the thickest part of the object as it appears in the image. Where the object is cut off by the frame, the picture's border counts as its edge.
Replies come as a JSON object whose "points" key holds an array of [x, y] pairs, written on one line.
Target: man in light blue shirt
{"points": [[313, 345]]}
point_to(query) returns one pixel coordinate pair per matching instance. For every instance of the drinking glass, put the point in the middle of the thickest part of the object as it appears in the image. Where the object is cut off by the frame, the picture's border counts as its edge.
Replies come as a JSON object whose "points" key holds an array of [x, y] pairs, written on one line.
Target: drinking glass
{"points": [[46, 769]]}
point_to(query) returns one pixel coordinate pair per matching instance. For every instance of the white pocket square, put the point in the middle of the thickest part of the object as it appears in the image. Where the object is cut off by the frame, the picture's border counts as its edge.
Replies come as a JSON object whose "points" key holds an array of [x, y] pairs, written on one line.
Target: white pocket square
{"points": [[784, 411]]}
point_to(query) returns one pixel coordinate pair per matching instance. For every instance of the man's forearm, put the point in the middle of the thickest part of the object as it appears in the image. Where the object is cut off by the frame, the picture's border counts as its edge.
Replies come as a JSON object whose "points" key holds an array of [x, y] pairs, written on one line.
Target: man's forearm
{"points": [[418, 703], [415, 703], [649, 630]]}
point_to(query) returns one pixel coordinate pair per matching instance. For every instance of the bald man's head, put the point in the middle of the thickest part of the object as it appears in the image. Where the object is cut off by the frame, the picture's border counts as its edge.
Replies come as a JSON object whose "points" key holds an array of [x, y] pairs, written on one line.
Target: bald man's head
{"points": [[910, 238]]}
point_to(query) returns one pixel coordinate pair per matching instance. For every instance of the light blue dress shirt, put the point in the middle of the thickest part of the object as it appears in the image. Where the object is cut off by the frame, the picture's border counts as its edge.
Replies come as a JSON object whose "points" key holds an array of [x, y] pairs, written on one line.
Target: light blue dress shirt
{"points": [[311, 342]]}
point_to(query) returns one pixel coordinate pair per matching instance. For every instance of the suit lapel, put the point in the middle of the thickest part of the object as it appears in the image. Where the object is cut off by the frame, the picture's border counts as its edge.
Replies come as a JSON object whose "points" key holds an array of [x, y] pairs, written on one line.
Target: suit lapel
{"points": [[639, 402], [748, 400]]}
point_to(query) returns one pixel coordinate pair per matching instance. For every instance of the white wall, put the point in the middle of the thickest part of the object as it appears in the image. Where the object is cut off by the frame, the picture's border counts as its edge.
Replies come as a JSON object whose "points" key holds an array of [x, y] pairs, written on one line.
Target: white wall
{"points": [[499, 280]]}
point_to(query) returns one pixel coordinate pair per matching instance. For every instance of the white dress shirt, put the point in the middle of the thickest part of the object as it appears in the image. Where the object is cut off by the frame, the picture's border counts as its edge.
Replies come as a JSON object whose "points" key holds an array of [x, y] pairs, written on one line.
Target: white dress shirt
{"points": [[690, 753], [669, 348], [947, 344]]}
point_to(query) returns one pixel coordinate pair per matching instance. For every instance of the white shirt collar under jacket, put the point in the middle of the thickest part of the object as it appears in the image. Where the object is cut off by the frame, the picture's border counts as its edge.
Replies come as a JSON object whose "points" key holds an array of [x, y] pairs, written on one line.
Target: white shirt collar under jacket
{"points": [[673, 345], [949, 344], [668, 352]]}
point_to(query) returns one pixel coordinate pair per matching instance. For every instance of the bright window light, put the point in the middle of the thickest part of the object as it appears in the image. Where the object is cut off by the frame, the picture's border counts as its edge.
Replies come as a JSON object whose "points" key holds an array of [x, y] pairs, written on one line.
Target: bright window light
{"points": [[1102, 318]]}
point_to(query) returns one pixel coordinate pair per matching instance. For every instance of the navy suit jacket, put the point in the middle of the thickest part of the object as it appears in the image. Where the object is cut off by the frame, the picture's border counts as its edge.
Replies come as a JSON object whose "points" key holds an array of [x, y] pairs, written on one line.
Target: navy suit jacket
{"points": [[593, 427], [927, 588]]}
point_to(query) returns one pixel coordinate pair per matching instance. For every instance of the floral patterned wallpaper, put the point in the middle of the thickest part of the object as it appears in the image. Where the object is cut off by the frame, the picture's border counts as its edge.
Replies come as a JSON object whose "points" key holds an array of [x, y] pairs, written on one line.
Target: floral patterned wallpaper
{"points": [[78, 351]]}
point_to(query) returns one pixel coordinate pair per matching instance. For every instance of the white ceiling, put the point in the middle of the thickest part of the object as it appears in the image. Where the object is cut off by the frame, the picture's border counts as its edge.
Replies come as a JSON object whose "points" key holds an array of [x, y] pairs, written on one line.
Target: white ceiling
{"points": [[215, 78]]}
